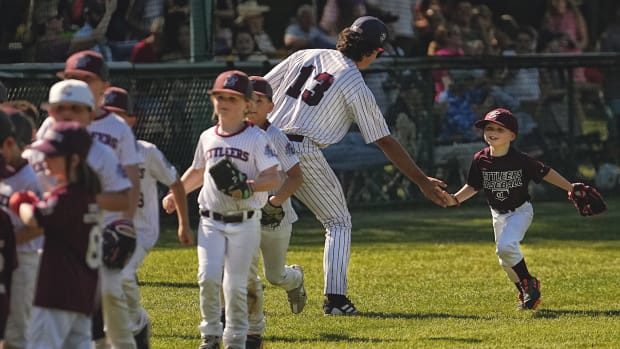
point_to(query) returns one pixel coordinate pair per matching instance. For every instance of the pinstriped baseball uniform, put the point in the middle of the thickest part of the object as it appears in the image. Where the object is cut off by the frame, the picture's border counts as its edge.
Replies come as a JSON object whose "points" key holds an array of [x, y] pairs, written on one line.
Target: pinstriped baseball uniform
{"points": [[274, 242], [229, 247], [155, 168], [25, 276], [318, 94]]}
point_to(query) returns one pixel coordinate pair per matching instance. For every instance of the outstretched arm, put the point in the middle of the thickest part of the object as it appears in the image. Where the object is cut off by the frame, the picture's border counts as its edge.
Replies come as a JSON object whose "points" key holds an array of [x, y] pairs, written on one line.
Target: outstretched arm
{"points": [[180, 198], [192, 179], [558, 180], [293, 180], [430, 187], [466, 192]]}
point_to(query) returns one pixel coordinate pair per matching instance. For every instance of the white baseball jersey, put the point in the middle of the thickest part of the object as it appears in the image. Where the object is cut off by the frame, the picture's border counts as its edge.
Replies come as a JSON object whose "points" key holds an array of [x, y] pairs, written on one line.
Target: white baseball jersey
{"points": [[319, 93], [25, 179], [252, 153], [155, 168], [111, 130], [100, 158], [287, 159]]}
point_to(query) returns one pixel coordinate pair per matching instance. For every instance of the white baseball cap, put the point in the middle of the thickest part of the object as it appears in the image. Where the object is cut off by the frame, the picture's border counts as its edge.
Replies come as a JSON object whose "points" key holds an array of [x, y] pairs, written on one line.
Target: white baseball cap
{"points": [[71, 91]]}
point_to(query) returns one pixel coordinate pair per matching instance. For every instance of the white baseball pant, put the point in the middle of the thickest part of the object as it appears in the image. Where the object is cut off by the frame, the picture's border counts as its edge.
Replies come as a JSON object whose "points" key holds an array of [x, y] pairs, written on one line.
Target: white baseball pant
{"points": [[273, 247], [23, 287], [509, 230], [322, 193], [137, 314], [59, 329], [226, 248], [116, 320]]}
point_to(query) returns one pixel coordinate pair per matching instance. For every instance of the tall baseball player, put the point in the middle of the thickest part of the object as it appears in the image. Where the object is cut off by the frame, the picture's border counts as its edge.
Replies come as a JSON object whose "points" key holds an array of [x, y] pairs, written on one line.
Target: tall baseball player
{"points": [[318, 94], [504, 174], [229, 230], [14, 136], [108, 128], [72, 100], [155, 168], [275, 228]]}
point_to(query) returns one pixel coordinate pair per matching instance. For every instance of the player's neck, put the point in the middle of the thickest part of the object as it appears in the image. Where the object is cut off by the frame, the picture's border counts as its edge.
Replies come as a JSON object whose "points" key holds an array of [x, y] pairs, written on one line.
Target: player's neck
{"points": [[227, 127], [498, 151]]}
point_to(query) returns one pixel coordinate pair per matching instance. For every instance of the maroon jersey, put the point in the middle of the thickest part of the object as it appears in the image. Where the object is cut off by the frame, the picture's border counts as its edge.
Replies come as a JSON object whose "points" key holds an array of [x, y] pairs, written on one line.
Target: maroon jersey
{"points": [[505, 178], [68, 273], [8, 263]]}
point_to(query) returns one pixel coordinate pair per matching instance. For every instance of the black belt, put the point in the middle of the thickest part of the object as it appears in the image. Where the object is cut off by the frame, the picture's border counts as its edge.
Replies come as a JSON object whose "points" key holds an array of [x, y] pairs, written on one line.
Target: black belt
{"points": [[233, 218], [295, 138], [508, 210]]}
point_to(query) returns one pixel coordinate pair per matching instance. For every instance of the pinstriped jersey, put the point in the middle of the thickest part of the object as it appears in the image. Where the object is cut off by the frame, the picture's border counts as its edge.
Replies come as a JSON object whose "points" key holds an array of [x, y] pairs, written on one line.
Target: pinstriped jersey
{"points": [[25, 179], [287, 158], [319, 93], [249, 149], [155, 168]]}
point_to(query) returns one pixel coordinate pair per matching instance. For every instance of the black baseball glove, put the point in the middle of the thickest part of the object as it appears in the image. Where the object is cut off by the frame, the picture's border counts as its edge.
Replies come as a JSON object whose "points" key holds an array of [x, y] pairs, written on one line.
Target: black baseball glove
{"points": [[587, 200], [119, 243], [272, 215], [230, 180]]}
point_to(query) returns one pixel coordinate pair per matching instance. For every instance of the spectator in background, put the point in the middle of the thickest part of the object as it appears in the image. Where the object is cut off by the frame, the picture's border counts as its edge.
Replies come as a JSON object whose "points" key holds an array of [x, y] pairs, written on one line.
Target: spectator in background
{"points": [[149, 49], [448, 42], [251, 17], [142, 14], [52, 46], [177, 40], [482, 23], [428, 18], [461, 14], [403, 26], [610, 42], [245, 48], [563, 16], [93, 14], [304, 33], [339, 14]]}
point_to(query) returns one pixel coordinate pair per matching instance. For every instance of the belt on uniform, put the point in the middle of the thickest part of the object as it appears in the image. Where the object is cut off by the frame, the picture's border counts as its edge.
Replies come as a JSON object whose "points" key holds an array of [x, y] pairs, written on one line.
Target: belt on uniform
{"points": [[232, 218], [295, 138], [508, 210]]}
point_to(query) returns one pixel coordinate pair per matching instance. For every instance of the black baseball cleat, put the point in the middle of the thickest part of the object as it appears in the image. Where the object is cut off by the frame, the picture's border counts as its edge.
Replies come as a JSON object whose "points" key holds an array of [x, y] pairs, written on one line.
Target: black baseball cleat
{"points": [[531, 293], [254, 341], [210, 342], [143, 337], [339, 305]]}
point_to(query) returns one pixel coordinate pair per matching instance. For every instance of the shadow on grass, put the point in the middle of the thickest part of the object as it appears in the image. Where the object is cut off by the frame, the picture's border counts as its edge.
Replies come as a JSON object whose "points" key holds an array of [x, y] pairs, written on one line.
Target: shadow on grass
{"points": [[328, 337], [168, 284], [420, 316], [553, 314], [455, 339]]}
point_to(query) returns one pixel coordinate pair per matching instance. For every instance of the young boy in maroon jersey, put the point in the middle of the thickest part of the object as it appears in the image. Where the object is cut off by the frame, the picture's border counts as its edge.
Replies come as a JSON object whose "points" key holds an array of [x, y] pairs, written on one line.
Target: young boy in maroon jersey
{"points": [[504, 174], [68, 274], [7, 253]]}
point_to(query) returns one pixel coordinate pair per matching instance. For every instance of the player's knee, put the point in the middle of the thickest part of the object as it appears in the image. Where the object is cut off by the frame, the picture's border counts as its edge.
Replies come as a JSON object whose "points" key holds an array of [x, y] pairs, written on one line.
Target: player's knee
{"points": [[338, 223], [506, 249]]}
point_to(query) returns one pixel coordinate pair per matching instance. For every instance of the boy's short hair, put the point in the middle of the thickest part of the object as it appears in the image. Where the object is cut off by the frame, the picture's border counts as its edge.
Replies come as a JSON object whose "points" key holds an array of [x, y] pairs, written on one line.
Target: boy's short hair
{"points": [[7, 129], [22, 125]]}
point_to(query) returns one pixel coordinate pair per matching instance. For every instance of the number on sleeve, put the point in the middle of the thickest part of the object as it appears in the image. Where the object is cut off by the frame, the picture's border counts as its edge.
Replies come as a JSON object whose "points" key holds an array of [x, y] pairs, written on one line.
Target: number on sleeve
{"points": [[310, 97]]}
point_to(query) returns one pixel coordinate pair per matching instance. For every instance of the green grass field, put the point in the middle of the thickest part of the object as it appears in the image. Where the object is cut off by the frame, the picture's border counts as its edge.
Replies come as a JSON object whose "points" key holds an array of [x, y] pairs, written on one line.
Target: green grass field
{"points": [[424, 277]]}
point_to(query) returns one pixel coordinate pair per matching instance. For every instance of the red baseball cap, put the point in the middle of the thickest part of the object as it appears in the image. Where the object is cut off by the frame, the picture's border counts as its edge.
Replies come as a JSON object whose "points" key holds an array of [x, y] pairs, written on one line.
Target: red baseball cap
{"points": [[261, 86], [116, 99], [233, 81], [64, 138], [502, 117], [88, 63]]}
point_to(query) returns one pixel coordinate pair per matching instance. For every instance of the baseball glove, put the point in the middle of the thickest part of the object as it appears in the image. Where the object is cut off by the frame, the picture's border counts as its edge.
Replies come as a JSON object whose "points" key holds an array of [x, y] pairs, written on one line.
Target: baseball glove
{"points": [[587, 200], [272, 215], [119, 243], [230, 180]]}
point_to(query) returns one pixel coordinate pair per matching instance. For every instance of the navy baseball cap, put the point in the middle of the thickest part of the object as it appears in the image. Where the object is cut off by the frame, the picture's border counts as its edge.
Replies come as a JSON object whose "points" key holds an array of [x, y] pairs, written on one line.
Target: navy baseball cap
{"points": [[371, 29], [116, 99], [502, 117], [86, 63], [233, 81], [261, 86], [64, 138]]}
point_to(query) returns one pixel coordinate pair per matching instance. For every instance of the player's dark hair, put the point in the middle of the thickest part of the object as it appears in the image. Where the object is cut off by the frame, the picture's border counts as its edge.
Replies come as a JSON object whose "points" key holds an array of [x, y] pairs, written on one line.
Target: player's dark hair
{"points": [[352, 45], [85, 177]]}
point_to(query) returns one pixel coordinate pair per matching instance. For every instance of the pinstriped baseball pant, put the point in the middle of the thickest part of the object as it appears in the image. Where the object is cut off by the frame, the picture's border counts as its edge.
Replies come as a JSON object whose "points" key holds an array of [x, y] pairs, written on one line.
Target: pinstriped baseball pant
{"points": [[322, 193]]}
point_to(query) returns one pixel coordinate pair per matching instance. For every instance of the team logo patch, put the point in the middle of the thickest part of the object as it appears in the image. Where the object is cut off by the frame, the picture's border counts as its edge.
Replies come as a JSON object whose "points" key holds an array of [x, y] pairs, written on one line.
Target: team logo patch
{"points": [[82, 62], [231, 81], [269, 151], [493, 115]]}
